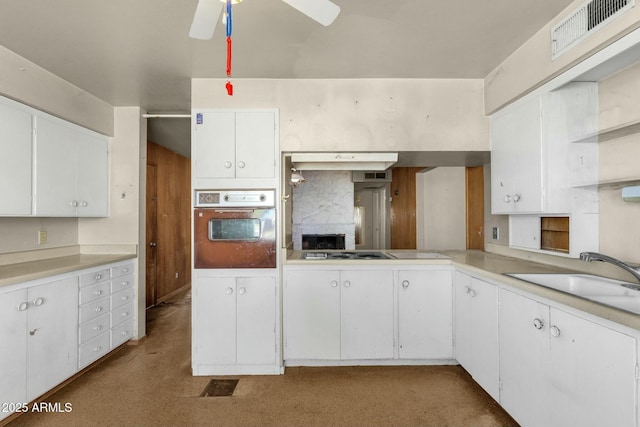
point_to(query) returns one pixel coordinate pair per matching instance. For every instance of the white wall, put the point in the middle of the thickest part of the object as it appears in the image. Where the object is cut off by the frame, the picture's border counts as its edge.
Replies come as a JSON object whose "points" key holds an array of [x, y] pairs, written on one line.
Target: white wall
{"points": [[362, 114], [441, 224], [531, 65]]}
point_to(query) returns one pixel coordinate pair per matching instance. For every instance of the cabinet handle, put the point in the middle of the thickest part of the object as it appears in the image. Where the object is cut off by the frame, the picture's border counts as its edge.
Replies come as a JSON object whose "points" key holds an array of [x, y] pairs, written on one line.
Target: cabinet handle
{"points": [[98, 328], [97, 349], [241, 165], [124, 333], [73, 203], [125, 298], [38, 302], [242, 291], [125, 314], [334, 283], [23, 306], [538, 323], [98, 309], [347, 283], [507, 198], [467, 289], [84, 204], [555, 331], [229, 291], [405, 284], [98, 276], [98, 293], [125, 270], [516, 197], [33, 331], [473, 293], [228, 164], [125, 283]]}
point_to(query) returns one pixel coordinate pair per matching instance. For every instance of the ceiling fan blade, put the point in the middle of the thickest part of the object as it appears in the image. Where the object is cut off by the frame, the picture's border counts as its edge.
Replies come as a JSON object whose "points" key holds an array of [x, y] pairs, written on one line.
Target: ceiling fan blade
{"points": [[205, 19], [322, 11]]}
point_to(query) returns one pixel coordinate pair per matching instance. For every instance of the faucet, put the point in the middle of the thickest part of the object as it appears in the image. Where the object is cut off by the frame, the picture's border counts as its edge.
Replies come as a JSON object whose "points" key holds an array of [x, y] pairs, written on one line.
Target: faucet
{"points": [[595, 256]]}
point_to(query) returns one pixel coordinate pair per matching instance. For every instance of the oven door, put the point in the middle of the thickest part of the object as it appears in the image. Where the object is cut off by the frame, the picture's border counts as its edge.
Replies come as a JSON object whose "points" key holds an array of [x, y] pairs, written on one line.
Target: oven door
{"points": [[234, 238]]}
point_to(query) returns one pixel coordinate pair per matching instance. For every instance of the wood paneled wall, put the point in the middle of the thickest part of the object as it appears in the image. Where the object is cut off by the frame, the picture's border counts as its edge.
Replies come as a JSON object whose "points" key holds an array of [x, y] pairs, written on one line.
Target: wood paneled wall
{"points": [[403, 208], [173, 223]]}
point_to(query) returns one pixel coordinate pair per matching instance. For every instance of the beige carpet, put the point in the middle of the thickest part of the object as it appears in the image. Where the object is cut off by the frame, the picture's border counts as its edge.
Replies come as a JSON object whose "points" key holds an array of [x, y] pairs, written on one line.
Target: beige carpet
{"points": [[151, 385]]}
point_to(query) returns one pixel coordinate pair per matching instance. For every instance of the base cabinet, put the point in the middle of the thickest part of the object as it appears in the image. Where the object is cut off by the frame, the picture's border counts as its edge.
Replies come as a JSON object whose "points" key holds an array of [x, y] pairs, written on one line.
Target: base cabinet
{"points": [[234, 325], [338, 315], [558, 369], [38, 344], [425, 314], [476, 330]]}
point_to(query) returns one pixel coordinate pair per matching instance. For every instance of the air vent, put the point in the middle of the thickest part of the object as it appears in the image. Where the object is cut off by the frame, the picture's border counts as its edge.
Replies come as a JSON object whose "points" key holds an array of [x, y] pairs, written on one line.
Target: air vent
{"points": [[371, 176], [589, 17]]}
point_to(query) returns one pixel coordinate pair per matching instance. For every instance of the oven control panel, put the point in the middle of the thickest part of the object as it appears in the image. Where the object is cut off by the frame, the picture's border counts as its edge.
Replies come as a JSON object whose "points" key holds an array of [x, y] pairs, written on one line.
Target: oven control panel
{"points": [[235, 198]]}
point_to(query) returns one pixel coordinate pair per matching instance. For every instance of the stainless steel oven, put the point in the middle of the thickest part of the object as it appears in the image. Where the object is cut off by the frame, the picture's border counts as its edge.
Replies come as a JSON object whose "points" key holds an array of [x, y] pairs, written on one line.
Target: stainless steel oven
{"points": [[234, 229]]}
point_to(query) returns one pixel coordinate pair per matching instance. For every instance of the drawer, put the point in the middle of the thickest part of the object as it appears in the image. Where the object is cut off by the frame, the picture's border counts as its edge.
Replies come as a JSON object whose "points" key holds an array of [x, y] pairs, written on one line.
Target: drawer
{"points": [[120, 314], [122, 270], [94, 327], [94, 349], [94, 277], [121, 283], [94, 309], [94, 292], [122, 333], [122, 297]]}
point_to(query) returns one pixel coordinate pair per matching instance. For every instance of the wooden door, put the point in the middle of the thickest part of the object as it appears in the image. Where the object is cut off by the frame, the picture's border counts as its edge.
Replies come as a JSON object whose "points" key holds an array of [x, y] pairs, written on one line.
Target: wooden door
{"points": [[152, 232], [403, 208], [474, 177]]}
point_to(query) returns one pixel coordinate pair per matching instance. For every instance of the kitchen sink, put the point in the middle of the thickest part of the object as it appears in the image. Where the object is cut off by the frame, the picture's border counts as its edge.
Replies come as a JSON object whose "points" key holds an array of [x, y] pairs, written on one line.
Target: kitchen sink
{"points": [[614, 293]]}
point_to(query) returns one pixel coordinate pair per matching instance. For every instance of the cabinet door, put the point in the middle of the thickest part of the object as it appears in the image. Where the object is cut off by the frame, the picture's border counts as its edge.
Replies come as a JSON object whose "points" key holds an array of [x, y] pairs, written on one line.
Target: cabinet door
{"points": [[524, 359], [56, 169], [214, 321], [463, 321], [366, 314], [93, 176], [425, 317], [256, 320], [15, 161], [13, 348], [516, 159], [592, 378], [255, 144], [312, 315], [52, 341], [214, 145]]}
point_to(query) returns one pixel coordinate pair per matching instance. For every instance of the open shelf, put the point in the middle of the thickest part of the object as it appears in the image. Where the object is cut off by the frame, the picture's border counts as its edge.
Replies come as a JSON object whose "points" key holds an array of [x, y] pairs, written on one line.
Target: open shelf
{"points": [[613, 132]]}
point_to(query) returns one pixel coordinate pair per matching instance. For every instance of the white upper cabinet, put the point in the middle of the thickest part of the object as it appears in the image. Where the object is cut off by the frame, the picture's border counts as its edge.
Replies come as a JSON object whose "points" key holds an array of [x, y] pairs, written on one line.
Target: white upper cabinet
{"points": [[15, 159], [71, 170], [50, 167], [535, 167], [234, 148]]}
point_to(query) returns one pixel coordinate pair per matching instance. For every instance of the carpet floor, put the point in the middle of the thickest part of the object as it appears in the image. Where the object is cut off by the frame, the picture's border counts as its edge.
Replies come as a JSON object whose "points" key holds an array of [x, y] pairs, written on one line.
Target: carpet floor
{"points": [[151, 385]]}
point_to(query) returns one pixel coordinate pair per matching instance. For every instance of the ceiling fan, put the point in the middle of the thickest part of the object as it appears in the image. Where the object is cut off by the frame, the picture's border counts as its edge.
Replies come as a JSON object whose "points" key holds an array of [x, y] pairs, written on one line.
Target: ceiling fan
{"points": [[208, 12]]}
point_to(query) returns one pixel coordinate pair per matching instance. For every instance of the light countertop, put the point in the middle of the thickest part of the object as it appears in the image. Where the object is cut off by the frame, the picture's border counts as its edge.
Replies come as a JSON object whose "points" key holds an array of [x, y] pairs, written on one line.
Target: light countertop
{"points": [[12, 274]]}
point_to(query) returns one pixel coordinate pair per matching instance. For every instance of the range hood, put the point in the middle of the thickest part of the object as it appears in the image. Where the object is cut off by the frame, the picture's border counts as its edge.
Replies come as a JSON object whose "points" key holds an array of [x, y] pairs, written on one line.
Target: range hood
{"points": [[343, 161]]}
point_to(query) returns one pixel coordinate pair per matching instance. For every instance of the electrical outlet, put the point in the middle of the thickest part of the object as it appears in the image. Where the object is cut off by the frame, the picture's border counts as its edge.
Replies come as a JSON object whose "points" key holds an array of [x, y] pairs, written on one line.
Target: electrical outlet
{"points": [[496, 233], [42, 237]]}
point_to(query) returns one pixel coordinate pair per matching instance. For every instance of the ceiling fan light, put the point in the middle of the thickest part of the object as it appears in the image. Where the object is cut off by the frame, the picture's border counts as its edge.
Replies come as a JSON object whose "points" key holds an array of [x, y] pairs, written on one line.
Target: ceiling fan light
{"points": [[232, 1]]}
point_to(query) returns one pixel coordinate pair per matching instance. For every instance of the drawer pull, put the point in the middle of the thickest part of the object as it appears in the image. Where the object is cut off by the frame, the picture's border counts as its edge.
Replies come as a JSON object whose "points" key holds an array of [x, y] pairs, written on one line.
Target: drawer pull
{"points": [[125, 313], [38, 302], [125, 270], [125, 283], [98, 276], [98, 309], [124, 333], [98, 328], [125, 298], [97, 293], [97, 349], [23, 306]]}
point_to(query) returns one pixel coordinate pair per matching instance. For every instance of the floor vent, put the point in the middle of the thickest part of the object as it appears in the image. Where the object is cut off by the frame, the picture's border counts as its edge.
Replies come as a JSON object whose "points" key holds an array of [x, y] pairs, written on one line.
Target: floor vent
{"points": [[589, 17], [218, 388]]}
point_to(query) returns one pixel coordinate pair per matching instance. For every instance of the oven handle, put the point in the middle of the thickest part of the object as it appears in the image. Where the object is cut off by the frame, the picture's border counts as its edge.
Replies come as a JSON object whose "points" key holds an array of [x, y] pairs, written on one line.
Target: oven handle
{"points": [[234, 210]]}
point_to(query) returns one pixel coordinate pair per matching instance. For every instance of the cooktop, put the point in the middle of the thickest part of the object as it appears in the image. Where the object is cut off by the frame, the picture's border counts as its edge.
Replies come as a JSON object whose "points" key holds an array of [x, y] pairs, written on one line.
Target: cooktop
{"points": [[344, 255]]}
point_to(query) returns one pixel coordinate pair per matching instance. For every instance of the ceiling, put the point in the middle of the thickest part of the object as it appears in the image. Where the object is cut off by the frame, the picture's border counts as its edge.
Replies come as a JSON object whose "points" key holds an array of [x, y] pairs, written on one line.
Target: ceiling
{"points": [[138, 53]]}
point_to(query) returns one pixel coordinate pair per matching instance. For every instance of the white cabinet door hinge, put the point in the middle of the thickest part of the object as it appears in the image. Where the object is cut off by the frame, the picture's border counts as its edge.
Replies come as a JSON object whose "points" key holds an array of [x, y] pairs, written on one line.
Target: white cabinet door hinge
{"points": [[637, 372]]}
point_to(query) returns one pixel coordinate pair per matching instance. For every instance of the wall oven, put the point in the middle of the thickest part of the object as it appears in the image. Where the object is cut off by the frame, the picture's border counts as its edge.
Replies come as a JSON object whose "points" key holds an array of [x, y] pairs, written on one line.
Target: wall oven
{"points": [[234, 229]]}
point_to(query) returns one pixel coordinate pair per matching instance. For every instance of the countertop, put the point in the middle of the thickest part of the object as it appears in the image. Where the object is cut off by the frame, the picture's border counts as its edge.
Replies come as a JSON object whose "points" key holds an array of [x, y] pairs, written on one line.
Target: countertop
{"points": [[12, 274], [492, 267]]}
